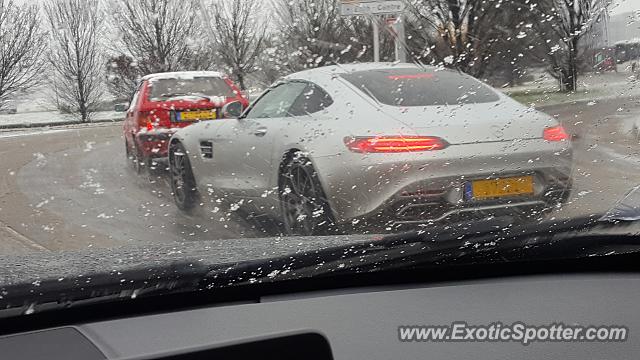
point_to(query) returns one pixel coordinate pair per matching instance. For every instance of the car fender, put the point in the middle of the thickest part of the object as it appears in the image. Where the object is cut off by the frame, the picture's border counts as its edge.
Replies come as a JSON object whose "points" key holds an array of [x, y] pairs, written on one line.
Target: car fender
{"points": [[313, 150], [190, 137]]}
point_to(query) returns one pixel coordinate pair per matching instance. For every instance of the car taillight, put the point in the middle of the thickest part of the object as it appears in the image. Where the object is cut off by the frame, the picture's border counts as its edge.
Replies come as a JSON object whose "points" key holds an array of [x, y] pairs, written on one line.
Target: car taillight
{"points": [[556, 133], [150, 121], [143, 119], [394, 144], [149, 124]]}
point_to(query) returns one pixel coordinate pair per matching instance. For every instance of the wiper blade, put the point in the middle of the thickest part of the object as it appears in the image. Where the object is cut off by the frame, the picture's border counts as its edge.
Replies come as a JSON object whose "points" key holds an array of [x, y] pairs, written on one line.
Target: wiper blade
{"points": [[101, 287], [492, 241], [627, 209], [486, 242]]}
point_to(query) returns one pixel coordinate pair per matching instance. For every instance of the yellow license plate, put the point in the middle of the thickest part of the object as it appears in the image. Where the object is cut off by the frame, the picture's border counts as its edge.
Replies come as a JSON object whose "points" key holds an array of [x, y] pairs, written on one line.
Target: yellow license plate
{"points": [[495, 188], [198, 115]]}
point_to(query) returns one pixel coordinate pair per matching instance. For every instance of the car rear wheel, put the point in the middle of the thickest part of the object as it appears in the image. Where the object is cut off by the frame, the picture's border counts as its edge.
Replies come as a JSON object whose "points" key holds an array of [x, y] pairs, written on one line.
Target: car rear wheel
{"points": [[127, 150], [183, 182], [135, 157], [304, 206], [635, 133]]}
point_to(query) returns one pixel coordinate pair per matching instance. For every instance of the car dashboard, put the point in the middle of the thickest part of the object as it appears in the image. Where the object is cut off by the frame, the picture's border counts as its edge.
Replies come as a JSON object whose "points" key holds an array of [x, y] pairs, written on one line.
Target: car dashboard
{"points": [[358, 323]]}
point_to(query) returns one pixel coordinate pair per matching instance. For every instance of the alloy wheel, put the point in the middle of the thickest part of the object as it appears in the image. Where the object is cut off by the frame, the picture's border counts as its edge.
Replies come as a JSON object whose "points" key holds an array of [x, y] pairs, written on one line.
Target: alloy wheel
{"points": [[302, 205]]}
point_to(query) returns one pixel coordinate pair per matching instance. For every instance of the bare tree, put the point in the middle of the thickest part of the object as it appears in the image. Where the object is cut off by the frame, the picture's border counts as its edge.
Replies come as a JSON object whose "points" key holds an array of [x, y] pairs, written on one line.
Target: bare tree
{"points": [[462, 33], [238, 34], [21, 45], [122, 76], [562, 25], [75, 55], [157, 34], [313, 33]]}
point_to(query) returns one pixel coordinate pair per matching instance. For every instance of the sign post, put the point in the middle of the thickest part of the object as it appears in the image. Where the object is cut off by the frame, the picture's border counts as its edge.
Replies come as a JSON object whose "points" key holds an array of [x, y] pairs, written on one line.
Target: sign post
{"points": [[374, 8], [376, 39], [395, 25]]}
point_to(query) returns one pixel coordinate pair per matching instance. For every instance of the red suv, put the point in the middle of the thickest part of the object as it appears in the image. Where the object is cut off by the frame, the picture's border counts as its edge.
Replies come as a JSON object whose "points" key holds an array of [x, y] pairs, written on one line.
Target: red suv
{"points": [[166, 102]]}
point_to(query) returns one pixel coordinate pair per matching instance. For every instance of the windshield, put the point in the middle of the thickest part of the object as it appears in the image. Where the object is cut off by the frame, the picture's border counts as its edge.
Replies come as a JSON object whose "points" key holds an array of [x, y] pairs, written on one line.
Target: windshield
{"points": [[416, 87], [137, 133], [209, 86]]}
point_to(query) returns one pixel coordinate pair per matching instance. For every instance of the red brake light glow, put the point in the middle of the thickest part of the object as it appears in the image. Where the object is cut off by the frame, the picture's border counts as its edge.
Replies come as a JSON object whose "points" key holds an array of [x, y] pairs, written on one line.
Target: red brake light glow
{"points": [[556, 133], [146, 121], [394, 144]]}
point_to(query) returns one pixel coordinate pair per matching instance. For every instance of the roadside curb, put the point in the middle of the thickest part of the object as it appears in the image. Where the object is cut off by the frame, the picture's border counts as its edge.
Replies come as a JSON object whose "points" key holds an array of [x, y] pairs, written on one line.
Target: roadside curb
{"points": [[544, 107], [55, 123]]}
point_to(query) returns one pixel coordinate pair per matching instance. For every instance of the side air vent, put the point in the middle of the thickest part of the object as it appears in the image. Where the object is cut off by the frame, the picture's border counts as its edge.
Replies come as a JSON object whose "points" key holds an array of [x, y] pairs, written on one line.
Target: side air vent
{"points": [[206, 149]]}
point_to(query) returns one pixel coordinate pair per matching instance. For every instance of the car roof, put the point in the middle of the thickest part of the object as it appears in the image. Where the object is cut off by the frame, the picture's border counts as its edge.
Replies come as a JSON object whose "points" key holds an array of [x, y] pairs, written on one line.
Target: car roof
{"points": [[327, 72], [183, 75]]}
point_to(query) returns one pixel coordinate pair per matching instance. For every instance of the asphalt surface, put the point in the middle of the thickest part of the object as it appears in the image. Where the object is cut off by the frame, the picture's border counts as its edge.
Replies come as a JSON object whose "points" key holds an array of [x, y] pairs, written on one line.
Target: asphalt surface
{"points": [[71, 188]]}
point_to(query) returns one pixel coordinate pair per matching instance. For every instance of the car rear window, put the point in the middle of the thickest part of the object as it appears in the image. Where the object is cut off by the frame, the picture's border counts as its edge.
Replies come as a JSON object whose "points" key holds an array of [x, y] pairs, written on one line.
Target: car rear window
{"points": [[418, 87], [210, 86]]}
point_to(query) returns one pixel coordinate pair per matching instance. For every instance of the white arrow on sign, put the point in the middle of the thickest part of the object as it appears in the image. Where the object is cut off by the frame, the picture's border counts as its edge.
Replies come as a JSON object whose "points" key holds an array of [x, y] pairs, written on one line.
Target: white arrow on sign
{"points": [[363, 7]]}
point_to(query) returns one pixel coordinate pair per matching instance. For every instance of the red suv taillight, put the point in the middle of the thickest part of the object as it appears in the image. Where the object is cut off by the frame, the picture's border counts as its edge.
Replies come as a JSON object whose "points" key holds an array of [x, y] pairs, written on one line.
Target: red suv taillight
{"points": [[150, 120], [556, 133], [144, 119], [394, 144]]}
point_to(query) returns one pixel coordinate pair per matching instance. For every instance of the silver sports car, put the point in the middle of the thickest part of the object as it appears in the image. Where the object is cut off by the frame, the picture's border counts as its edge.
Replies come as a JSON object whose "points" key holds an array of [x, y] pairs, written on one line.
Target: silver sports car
{"points": [[387, 144]]}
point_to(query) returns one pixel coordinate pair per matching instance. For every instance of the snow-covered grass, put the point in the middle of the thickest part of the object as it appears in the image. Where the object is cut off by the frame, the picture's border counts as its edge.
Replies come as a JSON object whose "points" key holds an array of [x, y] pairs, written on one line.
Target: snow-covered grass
{"points": [[595, 86], [52, 117]]}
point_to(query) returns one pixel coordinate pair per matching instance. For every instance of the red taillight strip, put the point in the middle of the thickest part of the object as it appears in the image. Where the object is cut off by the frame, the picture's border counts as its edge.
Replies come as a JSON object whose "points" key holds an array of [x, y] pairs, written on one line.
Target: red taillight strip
{"points": [[394, 144], [555, 133]]}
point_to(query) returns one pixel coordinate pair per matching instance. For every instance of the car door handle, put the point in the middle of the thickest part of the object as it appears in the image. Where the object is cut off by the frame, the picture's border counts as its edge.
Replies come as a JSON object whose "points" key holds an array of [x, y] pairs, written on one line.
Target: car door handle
{"points": [[260, 132]]}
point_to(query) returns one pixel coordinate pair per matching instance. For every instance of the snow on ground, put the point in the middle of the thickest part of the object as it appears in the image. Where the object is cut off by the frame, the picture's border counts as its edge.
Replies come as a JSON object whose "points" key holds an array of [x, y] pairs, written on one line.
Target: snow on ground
{"points": [[592, 87], [592, 81], [46, 117], [20, 132]]}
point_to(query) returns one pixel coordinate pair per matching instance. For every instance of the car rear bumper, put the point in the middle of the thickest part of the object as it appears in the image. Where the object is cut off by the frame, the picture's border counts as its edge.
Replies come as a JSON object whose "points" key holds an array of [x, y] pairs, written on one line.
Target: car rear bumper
{"points": [[155, 144], [402, 210], [429, 187]]}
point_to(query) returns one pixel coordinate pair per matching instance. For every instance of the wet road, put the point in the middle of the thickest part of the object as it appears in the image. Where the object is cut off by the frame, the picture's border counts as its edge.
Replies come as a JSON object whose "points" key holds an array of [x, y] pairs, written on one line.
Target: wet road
{"points": [[71, 189]]}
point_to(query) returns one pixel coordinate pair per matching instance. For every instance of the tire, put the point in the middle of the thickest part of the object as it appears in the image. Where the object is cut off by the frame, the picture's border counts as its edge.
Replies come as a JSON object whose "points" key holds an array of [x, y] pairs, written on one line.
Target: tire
{"points": [[183, 184], [303, 203], [136, 159], [127, 150], [635, 133]]}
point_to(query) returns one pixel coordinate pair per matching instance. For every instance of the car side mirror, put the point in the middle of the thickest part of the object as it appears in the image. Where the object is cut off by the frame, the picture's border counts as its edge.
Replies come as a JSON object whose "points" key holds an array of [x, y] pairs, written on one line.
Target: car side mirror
{"points": [[121, 107], [232, 110]]}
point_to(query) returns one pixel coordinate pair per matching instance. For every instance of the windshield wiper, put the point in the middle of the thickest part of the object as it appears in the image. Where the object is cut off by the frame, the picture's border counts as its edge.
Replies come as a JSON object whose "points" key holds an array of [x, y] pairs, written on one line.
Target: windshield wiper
{"points": [[476, 245], [487, 242]]}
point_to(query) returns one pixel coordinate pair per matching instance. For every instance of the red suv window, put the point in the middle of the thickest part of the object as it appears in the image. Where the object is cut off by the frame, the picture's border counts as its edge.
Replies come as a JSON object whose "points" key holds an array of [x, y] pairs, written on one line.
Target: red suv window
{"points": [[163, 89]]}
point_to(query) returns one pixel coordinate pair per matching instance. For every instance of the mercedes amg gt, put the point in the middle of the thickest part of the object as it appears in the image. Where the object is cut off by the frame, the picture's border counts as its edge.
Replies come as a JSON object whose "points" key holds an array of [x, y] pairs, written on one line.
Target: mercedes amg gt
{"points": [[386, 144]]}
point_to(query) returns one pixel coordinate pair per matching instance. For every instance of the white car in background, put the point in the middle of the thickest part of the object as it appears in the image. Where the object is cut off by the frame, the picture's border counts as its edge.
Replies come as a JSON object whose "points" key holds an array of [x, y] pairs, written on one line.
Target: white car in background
{"points": [[386, 144]]}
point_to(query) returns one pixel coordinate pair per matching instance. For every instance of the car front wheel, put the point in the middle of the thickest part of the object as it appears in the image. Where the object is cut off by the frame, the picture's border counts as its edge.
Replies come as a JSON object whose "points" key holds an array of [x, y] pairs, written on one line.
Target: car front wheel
{"points": [[183, 183], [304, 206]]}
